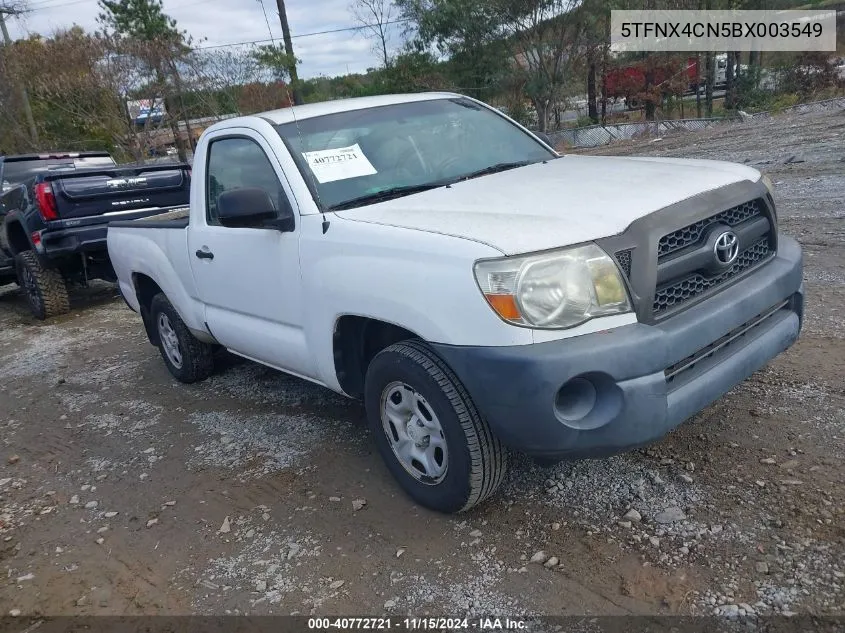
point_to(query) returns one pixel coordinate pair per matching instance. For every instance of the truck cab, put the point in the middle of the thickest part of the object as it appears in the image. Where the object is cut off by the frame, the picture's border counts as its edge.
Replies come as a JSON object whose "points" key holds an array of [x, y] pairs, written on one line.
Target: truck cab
{"points": [[479, 292]]}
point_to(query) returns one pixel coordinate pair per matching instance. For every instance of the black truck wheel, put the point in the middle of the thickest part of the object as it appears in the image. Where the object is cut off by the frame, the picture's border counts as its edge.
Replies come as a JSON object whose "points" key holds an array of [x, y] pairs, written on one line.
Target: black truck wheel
{"points": [[428, 431], [187, 358], [45, 288]]}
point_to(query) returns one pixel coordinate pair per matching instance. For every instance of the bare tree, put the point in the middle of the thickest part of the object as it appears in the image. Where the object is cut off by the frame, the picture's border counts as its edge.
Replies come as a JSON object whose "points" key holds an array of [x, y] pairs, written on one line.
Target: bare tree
{"points": [[710, 70], [376, 16], [13, 8], [81, 83], [549, 38], [229, 82], [165, 46]]}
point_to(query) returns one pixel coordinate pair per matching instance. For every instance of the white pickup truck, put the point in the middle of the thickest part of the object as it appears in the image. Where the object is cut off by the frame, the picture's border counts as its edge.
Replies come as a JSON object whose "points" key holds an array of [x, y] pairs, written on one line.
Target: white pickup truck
{"points": [[478, 291]]}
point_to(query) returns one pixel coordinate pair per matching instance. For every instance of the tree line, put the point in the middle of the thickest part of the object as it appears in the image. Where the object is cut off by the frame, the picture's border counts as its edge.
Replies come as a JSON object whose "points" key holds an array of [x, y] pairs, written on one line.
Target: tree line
{"points": [[532, 57], [545, 52]]}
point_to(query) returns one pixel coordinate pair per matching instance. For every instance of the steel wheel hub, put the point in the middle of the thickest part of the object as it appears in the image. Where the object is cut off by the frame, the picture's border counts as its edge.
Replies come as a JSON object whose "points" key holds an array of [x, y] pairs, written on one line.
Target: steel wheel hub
{"points": [[169, 340], [414, 433]]}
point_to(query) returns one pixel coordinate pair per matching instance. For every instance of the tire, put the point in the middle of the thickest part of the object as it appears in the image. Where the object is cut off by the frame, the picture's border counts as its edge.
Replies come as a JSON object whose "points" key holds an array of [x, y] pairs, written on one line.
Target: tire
{"points": [[45, 288], [193, 360], [475, 459]]}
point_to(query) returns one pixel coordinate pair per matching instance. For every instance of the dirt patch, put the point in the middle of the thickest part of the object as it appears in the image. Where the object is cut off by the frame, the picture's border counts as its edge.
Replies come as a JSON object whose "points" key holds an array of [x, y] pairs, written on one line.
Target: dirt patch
{"points": [[116, 483]]}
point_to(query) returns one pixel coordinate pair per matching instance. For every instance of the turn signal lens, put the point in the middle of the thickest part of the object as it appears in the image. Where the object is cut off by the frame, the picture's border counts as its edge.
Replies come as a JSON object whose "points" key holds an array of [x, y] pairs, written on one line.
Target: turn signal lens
{"points": [[505, 306]]}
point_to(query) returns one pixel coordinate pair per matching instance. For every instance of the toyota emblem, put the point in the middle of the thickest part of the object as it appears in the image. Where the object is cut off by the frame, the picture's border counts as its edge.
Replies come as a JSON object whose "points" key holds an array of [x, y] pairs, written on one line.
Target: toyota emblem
{"points": [[726, 248]]}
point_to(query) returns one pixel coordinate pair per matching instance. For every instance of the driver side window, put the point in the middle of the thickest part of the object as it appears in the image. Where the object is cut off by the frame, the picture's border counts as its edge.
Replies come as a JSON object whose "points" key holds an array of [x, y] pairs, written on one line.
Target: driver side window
{"points": [[239, 162]]}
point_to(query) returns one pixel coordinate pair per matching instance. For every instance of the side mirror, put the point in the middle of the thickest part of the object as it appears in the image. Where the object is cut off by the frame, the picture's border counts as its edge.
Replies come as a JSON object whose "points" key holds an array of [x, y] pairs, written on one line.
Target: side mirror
{"points": [[251, 207]]}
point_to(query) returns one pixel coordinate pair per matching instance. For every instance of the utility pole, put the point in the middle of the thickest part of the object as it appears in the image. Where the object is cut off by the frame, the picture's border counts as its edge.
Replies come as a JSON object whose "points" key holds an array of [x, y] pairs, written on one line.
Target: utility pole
{"points": [[7, 41], [294, 78]]}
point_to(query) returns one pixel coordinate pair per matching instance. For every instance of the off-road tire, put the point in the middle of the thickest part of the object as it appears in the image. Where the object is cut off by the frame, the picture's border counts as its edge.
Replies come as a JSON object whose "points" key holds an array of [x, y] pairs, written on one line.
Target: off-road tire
{"points": [[45, 288], [197, 357], [477, 459]]}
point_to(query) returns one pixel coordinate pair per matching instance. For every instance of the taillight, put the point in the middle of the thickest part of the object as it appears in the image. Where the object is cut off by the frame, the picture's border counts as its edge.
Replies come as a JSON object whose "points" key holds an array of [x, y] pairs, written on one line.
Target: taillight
{"points": [[46, 201]]}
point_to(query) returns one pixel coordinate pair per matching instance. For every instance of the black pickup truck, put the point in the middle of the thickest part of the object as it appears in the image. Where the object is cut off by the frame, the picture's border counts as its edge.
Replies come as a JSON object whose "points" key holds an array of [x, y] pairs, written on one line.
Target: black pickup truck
{"points": [[54, 215]]}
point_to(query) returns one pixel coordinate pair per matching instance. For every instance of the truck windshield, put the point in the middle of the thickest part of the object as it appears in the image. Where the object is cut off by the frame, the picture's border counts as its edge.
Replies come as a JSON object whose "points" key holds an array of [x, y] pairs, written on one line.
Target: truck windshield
{"points": [[360, 157]]}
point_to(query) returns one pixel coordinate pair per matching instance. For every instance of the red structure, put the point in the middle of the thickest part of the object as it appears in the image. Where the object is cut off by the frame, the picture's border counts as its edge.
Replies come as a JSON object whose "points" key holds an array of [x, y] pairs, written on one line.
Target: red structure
{"points": [[651, 77]]}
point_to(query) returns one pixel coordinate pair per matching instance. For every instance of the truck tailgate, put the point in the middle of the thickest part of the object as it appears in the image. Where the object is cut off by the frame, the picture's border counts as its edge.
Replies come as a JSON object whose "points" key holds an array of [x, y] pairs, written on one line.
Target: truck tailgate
{"points": [[120, 189]]}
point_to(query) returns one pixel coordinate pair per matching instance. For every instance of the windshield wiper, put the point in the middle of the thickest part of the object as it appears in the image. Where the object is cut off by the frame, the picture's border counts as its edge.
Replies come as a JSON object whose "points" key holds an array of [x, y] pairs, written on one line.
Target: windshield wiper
{"points": [[384, 194], [398, 192], [493, 169]]}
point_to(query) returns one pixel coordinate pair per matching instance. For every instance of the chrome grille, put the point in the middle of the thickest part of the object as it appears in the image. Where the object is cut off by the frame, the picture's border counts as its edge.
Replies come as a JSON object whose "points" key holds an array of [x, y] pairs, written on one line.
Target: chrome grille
{"points": [[691, 234], [679, 291]]}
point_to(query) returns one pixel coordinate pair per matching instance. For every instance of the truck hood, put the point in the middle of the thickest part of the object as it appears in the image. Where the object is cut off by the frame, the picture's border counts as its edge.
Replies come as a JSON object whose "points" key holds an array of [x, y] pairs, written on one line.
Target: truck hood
{"points": [[566, 201]]}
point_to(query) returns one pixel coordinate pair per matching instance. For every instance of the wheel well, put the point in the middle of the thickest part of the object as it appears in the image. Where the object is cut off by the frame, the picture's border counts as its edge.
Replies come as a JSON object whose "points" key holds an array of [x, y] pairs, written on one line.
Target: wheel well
{"points": [[145, 290], [356, 341], [18, 241]]}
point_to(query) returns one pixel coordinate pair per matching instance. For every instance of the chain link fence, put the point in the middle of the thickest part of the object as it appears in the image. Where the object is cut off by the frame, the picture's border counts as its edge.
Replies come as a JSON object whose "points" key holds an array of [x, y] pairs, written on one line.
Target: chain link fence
{"points": [[597, 135], [801, 108]]}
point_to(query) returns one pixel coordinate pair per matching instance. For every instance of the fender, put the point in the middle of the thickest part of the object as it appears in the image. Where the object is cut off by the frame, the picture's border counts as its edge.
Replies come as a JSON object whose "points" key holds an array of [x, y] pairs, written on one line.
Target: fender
{"points": [[139, 254], [405, 277], [15, 238]]}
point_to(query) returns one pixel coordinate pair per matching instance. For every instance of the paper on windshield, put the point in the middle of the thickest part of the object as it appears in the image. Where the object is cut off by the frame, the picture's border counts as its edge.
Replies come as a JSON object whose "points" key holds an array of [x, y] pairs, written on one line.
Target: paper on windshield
{"points": [[341, 163]]}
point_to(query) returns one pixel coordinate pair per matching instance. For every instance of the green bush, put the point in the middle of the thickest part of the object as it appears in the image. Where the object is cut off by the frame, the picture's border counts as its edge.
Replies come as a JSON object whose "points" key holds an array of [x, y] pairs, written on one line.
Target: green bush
{"points": [[518, 111], [780, 102]]}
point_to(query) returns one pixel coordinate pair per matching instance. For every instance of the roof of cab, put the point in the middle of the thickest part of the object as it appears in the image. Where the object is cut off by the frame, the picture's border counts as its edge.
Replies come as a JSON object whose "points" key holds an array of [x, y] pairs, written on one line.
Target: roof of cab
{"points": [[307, 111]]}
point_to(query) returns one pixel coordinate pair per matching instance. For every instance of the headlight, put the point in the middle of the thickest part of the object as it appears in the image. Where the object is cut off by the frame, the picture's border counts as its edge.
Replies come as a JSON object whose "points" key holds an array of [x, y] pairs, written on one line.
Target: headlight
{"points": [[768, 182], [771, 188], [553, 290]]}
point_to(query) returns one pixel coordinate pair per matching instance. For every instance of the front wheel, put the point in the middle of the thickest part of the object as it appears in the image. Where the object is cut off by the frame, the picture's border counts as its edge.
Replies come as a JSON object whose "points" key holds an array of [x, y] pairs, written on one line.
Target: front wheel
{"points": [[428, 431], [187, 358]]}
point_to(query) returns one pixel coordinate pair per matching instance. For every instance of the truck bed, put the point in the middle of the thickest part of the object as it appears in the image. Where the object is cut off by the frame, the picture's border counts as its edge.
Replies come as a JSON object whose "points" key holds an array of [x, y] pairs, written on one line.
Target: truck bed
{"points": [[160, 252]]}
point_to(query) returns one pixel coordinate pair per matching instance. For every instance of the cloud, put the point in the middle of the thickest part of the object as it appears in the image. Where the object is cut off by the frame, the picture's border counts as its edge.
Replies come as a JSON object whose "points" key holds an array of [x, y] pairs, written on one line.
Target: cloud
{"points": [[216, 22]]}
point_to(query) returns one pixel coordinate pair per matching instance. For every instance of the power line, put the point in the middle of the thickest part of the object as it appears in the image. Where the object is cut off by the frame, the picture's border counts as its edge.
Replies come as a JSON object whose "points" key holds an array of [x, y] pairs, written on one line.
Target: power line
{"points": [[341, 30], [43, 4], [267, 20], [46, 4], [38, 6]]}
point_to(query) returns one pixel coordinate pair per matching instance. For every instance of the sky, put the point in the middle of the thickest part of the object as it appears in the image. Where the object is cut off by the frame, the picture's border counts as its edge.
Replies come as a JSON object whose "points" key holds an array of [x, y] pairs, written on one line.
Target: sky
{"points": [[215, 22]]}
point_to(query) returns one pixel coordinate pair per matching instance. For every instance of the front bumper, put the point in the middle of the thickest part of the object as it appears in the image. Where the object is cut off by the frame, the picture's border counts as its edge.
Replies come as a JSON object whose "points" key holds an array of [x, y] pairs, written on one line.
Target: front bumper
{"points": [[604, 393]]}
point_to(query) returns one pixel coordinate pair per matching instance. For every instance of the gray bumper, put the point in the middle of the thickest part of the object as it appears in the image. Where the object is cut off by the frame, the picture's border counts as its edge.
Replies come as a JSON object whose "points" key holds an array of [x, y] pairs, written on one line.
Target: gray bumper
{"points": [[607, 392]]}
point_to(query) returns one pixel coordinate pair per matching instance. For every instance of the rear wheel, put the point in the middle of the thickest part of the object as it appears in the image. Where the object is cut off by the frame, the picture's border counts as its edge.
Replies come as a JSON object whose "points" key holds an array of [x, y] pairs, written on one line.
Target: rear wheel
{"points": [[45, 288], [428, 431], [187, 358]]}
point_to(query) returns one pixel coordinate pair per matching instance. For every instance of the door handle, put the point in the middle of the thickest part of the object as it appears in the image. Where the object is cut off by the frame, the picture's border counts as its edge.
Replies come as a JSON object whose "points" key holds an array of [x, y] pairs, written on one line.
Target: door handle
{"points": [[205, 254]]}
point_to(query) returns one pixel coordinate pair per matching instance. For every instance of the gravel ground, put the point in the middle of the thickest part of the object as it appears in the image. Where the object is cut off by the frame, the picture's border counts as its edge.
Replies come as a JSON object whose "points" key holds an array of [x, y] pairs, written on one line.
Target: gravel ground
{"points": [[123, 492]]}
